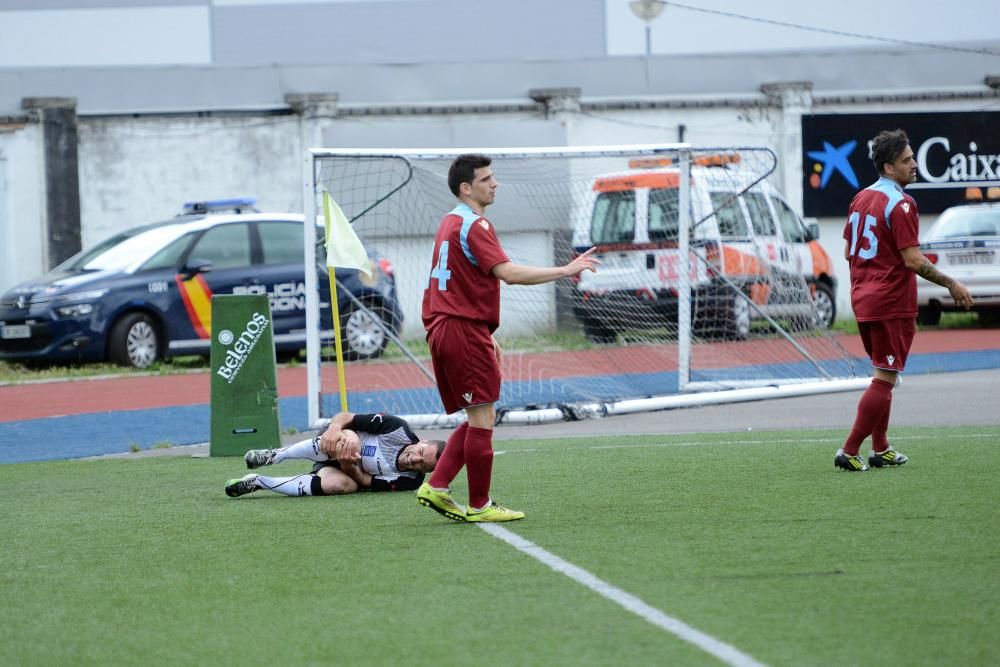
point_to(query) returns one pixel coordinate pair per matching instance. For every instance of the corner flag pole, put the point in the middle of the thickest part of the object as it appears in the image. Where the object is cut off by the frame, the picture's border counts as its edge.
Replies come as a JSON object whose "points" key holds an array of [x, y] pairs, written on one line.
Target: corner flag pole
{"points": [[335, 307]]}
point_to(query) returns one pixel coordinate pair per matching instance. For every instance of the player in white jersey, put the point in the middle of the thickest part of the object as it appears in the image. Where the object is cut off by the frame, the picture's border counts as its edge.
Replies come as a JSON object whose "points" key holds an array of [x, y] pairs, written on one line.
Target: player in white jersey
{"points": [[365, 452]]}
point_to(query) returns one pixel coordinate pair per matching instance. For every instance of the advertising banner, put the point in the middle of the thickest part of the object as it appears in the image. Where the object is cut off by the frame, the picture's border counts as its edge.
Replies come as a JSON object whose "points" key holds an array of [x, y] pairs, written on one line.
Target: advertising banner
{"points": [[955, 151], [244, 386]]}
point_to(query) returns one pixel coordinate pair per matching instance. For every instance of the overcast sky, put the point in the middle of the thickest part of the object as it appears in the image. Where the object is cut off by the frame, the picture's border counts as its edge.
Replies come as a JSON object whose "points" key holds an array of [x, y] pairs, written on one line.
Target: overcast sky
{"points": [[679, 30]]}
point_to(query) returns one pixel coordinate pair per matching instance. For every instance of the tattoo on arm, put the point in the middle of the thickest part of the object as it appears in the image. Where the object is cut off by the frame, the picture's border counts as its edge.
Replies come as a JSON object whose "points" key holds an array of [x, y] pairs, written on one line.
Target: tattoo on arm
{"points": [[927, 271]]}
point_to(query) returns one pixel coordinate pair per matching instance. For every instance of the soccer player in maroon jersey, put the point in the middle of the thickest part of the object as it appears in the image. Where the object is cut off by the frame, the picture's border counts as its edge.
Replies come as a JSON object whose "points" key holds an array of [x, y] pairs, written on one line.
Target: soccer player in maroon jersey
{"points": [[461, 310], [884, 255]]}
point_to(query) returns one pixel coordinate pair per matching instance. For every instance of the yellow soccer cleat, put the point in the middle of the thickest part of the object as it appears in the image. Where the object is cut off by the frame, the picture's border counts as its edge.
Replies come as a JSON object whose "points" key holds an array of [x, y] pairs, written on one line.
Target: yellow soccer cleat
{"points": [[441, 502], [493, 512]]}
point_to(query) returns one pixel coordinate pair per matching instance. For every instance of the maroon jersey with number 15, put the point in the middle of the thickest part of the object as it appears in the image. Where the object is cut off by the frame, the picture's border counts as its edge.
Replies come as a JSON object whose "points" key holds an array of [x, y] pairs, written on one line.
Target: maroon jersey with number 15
{"points": [[882, 220], [461, 282]]}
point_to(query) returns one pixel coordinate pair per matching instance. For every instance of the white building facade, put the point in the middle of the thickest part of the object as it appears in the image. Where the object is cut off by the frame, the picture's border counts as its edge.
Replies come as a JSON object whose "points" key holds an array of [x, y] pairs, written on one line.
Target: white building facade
{"points": [[228, 116]]}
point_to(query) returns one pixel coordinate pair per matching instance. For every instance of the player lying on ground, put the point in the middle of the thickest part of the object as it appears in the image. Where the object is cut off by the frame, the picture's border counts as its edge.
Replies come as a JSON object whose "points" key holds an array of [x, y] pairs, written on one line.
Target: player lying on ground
{"points": [[375, 452]]}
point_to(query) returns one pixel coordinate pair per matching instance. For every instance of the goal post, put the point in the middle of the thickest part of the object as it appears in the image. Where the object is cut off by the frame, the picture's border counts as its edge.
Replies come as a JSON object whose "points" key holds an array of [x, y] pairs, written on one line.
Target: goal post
{"points": [[705, 289]]}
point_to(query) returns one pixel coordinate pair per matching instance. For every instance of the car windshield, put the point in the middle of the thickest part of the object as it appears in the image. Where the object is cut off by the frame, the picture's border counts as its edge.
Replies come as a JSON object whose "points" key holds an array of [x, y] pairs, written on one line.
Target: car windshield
{"points": [[663, 207], [122, 250], [614, 218], [963, 222]]}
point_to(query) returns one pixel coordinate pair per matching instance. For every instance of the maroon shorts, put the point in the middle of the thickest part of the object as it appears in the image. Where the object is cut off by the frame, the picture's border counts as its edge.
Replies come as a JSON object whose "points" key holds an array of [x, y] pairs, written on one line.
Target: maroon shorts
{"points": [[465, 364], [887, 342]]}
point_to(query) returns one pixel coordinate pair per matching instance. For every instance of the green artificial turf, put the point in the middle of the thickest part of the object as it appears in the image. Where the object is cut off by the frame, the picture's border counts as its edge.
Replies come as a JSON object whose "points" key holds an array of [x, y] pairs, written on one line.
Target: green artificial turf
{"points": [[754, 539]]}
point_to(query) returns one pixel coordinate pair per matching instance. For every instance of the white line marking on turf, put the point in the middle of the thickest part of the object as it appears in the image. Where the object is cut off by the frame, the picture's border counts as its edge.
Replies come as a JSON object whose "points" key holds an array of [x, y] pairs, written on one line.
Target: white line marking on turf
{"points": [[681, 630], [695, 443]]}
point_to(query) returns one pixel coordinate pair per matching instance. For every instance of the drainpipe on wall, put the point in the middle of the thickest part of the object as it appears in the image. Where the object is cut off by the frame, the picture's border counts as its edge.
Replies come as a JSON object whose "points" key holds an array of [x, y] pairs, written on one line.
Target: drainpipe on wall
{"points": [[57, 116], [795, 99]]}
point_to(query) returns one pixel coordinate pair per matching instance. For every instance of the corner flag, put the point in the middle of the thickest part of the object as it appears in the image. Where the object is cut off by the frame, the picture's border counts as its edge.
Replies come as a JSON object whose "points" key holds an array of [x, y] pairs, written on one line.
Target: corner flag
{"points": [[343, 247], [343, 250]]}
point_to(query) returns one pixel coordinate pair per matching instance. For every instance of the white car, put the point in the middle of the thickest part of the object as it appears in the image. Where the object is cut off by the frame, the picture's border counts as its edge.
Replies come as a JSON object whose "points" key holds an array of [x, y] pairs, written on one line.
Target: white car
{"points": [[964, 243]]}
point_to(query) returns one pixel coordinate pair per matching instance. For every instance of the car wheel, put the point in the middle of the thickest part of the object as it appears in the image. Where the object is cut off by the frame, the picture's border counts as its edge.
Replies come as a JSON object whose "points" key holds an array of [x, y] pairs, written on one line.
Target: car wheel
{"points": [[929, 315], [596, 333], [989, 317], [720, 315], [134, 341], [286, 356], [360, 333], [738, 318], [825, 306]]}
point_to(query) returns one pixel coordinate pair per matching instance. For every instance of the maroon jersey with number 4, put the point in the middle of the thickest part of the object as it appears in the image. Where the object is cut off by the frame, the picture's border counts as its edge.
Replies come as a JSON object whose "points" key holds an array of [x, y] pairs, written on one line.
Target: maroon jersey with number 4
{"points": [[461, 283], [882, 221]]}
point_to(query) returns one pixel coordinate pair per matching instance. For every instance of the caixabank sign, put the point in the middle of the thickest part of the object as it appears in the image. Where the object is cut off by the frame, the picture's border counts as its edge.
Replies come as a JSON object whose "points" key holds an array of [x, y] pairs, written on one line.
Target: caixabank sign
{"points": [[954, 151]]}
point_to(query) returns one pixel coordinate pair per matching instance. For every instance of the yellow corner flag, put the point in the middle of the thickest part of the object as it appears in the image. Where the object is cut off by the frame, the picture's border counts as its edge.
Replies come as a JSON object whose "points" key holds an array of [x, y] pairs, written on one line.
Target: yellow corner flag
{"points": [[343, 247], [343, 250]]}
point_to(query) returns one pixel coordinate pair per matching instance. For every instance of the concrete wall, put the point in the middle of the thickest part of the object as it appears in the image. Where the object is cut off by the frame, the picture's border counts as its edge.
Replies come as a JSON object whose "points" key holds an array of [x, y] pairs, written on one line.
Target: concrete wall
{"points": [[531, 309], [140, 169], [80, 33], [22, 203]]}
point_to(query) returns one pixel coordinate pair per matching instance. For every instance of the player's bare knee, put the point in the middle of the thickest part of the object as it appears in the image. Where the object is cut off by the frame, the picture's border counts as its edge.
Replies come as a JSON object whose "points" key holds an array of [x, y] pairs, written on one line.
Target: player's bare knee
{"points": [[482, 416]]}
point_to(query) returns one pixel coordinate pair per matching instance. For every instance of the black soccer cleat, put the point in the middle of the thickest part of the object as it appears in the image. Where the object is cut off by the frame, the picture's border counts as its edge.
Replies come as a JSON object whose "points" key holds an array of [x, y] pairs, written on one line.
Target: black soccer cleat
{"points": [[849, 463], [257, 458], [242, 486], [889, 457]]}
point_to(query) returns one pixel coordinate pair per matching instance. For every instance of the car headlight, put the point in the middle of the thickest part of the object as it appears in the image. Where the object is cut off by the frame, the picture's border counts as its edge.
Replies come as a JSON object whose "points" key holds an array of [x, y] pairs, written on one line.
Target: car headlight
{"points": [[83, 308], [76, 310]]}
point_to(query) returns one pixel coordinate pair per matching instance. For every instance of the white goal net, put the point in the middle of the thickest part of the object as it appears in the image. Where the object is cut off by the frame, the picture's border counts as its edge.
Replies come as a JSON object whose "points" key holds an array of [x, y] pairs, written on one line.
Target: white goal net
{"points": [[709, 281]]}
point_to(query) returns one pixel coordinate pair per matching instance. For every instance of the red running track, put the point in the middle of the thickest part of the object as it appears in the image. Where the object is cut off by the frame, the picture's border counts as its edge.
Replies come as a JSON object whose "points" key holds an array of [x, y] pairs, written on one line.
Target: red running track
{"points": [[95, 395]]}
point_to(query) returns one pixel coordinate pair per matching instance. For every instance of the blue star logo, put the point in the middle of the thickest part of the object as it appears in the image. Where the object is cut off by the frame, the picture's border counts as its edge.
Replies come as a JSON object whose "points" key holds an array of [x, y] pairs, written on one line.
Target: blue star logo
{"points": [[835, 159]]}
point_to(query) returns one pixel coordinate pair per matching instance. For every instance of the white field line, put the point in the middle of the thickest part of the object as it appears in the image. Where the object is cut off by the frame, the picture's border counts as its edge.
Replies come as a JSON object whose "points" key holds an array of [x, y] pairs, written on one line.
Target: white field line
{"points": [[676, 627], [694, 443], [724, 652]]}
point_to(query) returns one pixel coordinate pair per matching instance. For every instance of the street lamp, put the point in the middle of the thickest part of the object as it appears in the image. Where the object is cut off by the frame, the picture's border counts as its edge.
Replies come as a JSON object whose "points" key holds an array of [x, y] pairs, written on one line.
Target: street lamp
{"points": [[647, 10]]}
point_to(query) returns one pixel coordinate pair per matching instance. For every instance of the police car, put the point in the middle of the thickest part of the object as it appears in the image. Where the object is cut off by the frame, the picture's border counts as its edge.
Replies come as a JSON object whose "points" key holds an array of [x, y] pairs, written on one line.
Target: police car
{"points": [[146, 293], [964, 242]]}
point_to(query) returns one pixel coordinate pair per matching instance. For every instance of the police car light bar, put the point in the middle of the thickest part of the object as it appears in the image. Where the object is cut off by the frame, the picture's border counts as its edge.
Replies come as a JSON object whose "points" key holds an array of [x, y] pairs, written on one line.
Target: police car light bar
{"points": [[235, 204]]}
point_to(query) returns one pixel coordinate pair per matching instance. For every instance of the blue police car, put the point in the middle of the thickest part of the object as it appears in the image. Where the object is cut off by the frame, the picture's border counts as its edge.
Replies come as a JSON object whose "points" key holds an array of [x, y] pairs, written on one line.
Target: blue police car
{"points": [[146, 293]]}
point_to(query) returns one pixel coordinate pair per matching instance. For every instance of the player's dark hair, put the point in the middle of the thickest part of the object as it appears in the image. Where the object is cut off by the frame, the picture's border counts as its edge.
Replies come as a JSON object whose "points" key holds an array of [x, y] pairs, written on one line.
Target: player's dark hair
{"points": [[887, 146], [440, 445], [463, 169]]}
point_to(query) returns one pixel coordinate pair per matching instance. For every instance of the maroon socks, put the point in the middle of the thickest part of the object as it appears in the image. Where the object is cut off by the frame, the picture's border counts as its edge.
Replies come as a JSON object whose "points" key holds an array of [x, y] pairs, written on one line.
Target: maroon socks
{"points": [[873, 414]]}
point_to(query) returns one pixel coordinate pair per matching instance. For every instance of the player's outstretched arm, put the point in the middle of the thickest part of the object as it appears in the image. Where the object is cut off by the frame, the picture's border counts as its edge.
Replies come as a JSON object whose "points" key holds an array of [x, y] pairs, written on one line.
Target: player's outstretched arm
{"points": [[917, 262], [519, 274]]}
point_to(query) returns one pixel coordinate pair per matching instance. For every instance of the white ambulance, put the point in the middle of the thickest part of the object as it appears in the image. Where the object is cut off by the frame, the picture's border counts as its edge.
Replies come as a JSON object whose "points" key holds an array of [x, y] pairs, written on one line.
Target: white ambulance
{"points": [[752, 257]]}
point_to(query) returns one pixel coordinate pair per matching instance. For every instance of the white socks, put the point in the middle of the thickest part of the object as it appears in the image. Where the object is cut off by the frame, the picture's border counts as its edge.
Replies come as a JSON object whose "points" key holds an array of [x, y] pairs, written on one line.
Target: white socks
{"points": [[300, 485], [305, 449]]}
